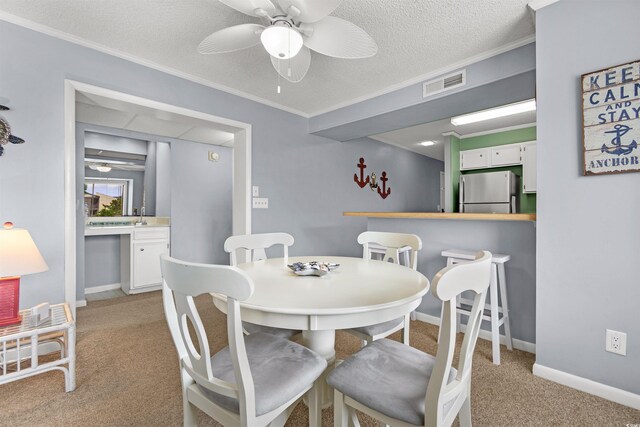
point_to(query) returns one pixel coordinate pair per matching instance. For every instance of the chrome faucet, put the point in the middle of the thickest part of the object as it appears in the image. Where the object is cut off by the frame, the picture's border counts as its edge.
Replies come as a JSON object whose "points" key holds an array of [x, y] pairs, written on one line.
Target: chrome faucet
{"points": [[141, 221]]}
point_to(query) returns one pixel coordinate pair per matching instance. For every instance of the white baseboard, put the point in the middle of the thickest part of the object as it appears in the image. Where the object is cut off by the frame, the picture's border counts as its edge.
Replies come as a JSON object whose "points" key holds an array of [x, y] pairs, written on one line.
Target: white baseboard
{"points": [[81, 303], [588, 386], [484, 334], [102, 288]]}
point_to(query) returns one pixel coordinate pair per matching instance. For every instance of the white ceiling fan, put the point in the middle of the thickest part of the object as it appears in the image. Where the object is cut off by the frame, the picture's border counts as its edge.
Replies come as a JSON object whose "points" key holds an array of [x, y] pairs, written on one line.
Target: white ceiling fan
{"points": [[292, 27]]}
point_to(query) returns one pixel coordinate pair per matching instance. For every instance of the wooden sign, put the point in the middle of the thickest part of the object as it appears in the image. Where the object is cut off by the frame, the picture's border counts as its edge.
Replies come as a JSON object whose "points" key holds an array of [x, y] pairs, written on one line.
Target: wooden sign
{"points": [[611, 119]]}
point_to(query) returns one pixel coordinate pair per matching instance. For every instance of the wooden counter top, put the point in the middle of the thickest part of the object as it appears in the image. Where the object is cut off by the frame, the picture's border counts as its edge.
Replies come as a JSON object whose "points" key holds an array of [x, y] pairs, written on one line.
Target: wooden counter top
{"points": [[447, 215]]}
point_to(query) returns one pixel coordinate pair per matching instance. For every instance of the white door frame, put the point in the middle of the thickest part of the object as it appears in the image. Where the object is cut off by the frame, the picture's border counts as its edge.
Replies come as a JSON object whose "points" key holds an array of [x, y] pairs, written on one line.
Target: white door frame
{"points": [[241, 197]]}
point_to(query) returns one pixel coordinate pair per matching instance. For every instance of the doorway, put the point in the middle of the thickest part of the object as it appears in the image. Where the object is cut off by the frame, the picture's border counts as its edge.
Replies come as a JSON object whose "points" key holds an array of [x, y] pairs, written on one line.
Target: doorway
{"points": [[241, 175]]}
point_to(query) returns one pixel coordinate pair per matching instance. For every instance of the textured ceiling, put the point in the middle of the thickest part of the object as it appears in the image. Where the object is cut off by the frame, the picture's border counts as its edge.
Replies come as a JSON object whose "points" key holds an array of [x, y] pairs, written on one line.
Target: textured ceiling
{"points": [[414, 37]]}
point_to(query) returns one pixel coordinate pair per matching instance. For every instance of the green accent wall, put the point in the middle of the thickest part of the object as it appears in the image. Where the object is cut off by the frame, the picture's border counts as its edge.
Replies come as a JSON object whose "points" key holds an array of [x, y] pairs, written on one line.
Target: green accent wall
{"points": [[501, 138], [527, 200]]}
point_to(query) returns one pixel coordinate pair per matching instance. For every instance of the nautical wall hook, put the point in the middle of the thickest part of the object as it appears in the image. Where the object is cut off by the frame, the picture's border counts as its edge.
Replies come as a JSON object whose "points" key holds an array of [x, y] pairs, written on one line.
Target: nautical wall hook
{"points": [[362, 182], [384, 191], [371, 180]]}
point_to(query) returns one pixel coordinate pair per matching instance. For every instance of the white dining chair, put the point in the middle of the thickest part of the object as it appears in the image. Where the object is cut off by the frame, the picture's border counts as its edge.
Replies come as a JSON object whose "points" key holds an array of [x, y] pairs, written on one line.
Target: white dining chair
{"points": [[393, 243], [402, 386], [255, 379], [256, 245]]}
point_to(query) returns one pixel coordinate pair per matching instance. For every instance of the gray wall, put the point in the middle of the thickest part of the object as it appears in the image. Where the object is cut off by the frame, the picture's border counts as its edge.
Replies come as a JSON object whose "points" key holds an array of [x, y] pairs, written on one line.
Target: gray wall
{"points": [[514, 238], [201, 212], [150, 178], [310, 185], [308, 179], [101, 263], [163, 179], [588, 241], [107, 141]]}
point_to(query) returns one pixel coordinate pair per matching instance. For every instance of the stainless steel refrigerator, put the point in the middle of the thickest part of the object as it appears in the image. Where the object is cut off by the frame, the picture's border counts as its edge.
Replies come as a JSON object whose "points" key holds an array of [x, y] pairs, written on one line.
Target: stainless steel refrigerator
{"points": [[490, 192]]}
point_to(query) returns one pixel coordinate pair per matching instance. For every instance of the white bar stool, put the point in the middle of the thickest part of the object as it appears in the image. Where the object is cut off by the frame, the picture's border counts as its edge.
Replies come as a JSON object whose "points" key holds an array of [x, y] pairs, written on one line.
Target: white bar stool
{"points": [[380, 250], [498, 313]]}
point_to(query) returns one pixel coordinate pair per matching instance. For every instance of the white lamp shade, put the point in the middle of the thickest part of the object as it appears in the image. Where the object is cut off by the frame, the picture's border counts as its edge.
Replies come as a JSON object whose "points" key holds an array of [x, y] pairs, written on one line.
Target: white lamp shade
{"points": [[19, 254], [281, 42]]}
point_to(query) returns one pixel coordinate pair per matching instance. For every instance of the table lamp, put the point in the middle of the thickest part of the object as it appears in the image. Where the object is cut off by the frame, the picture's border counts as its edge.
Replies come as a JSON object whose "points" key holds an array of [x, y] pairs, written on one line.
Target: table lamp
{"points": [[18, 256]]}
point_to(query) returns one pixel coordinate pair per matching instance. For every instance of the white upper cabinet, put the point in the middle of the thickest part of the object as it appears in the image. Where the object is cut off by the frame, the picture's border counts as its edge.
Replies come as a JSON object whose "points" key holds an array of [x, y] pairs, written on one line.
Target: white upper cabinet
{"points": [[529, 167], [506, 155], [475, 159]]}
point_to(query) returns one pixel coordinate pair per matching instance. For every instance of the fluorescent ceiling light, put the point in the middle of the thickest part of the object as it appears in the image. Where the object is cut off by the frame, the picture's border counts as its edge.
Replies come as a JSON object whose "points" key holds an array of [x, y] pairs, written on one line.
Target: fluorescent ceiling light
{"points": [[494, 113], [427, 143]]}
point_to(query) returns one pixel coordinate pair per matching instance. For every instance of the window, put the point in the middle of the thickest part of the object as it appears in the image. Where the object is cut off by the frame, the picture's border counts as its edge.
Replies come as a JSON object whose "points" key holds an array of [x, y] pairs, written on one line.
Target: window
{"points": [[107, 196]]}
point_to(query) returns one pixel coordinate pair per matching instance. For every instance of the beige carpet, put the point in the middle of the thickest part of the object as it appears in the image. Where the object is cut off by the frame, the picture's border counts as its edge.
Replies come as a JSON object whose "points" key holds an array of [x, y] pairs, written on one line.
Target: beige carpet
{"points": [[127, 375]]}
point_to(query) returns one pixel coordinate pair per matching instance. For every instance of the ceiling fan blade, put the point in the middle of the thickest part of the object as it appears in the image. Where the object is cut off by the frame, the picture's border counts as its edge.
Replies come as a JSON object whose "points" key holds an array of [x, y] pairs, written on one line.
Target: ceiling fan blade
{"points": [[232, 38], [309, 10], [339, 38], [249, 7], [293, 69]]}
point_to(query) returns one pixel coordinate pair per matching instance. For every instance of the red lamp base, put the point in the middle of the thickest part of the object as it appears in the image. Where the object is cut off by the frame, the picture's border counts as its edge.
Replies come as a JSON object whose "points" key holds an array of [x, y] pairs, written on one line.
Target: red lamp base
{"points": [[10, 301]]}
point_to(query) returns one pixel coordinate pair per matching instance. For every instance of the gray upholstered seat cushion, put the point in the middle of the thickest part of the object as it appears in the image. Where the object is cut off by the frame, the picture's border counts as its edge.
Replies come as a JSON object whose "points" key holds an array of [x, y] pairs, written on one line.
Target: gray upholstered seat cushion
{"points": [[280, 368], [379, 328], [252, 328], [389, 377]]}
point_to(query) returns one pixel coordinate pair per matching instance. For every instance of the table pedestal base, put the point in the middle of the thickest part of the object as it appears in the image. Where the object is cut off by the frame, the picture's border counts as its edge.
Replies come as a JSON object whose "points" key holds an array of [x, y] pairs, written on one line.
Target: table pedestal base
{"points": [[323, 343]]}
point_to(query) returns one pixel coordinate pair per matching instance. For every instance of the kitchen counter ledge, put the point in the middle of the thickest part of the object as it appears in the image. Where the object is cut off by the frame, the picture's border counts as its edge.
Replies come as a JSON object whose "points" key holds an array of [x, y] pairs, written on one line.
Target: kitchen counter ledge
{"points": [[447, 215]]}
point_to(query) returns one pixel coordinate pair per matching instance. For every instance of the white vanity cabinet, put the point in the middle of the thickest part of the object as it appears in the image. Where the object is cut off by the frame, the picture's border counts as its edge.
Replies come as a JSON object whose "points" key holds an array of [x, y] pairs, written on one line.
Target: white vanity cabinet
{"points": [[140, 259], [530, 167]]}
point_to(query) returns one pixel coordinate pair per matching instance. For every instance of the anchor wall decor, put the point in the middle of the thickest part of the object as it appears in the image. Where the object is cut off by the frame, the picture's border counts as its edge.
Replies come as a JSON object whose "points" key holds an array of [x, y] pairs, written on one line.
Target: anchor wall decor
{"points": [[611, 119], [371, 180]]}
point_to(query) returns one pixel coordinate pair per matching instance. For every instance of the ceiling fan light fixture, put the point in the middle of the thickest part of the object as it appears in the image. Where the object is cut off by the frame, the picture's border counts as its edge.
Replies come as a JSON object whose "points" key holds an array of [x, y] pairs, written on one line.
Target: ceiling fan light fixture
{"points": [[281, 41]]}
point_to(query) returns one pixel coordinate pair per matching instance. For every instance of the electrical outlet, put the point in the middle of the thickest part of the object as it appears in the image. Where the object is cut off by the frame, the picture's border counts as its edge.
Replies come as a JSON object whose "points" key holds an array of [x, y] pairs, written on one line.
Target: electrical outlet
{"points": [[616, 342], [256, 191], [260, 203]]}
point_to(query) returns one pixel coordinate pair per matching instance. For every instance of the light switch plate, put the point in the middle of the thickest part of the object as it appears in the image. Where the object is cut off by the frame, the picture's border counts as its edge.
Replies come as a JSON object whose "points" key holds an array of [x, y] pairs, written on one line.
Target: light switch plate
{"points": [[256, 191]]}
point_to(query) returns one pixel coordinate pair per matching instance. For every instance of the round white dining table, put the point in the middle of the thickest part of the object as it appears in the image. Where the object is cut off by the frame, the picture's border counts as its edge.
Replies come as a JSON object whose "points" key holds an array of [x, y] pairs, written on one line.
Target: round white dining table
{"points": [[358, 293]]}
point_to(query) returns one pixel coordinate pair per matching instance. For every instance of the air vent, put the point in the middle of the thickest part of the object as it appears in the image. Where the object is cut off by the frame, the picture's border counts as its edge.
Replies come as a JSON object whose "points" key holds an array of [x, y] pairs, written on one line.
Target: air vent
{"points": [[444, 83]]}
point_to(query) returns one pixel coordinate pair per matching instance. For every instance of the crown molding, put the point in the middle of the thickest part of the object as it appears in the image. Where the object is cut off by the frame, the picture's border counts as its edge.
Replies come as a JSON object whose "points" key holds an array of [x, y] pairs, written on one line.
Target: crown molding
{"points": [[52, 32]]}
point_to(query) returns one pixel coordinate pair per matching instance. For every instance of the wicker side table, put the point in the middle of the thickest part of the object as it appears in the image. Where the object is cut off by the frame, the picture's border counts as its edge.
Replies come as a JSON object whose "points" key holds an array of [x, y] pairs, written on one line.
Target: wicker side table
{"points": [[20, 344]]}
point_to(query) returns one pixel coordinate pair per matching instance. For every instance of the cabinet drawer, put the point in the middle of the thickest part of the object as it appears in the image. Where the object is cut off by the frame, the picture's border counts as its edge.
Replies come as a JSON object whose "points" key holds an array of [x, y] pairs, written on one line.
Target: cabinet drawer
{"points": [[505, 155], [151, 233], [474, 159]]}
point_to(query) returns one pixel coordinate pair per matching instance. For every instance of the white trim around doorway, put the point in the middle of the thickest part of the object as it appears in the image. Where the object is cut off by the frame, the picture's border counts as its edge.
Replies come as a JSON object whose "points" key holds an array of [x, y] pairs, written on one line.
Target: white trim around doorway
{"points": [[241, 198]]}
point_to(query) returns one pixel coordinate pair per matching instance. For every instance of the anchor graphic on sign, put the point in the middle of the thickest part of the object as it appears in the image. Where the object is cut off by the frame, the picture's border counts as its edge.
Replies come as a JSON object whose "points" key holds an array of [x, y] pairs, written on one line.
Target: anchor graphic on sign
{"points": [[362, 181], [384, 191], [618, 148]]}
